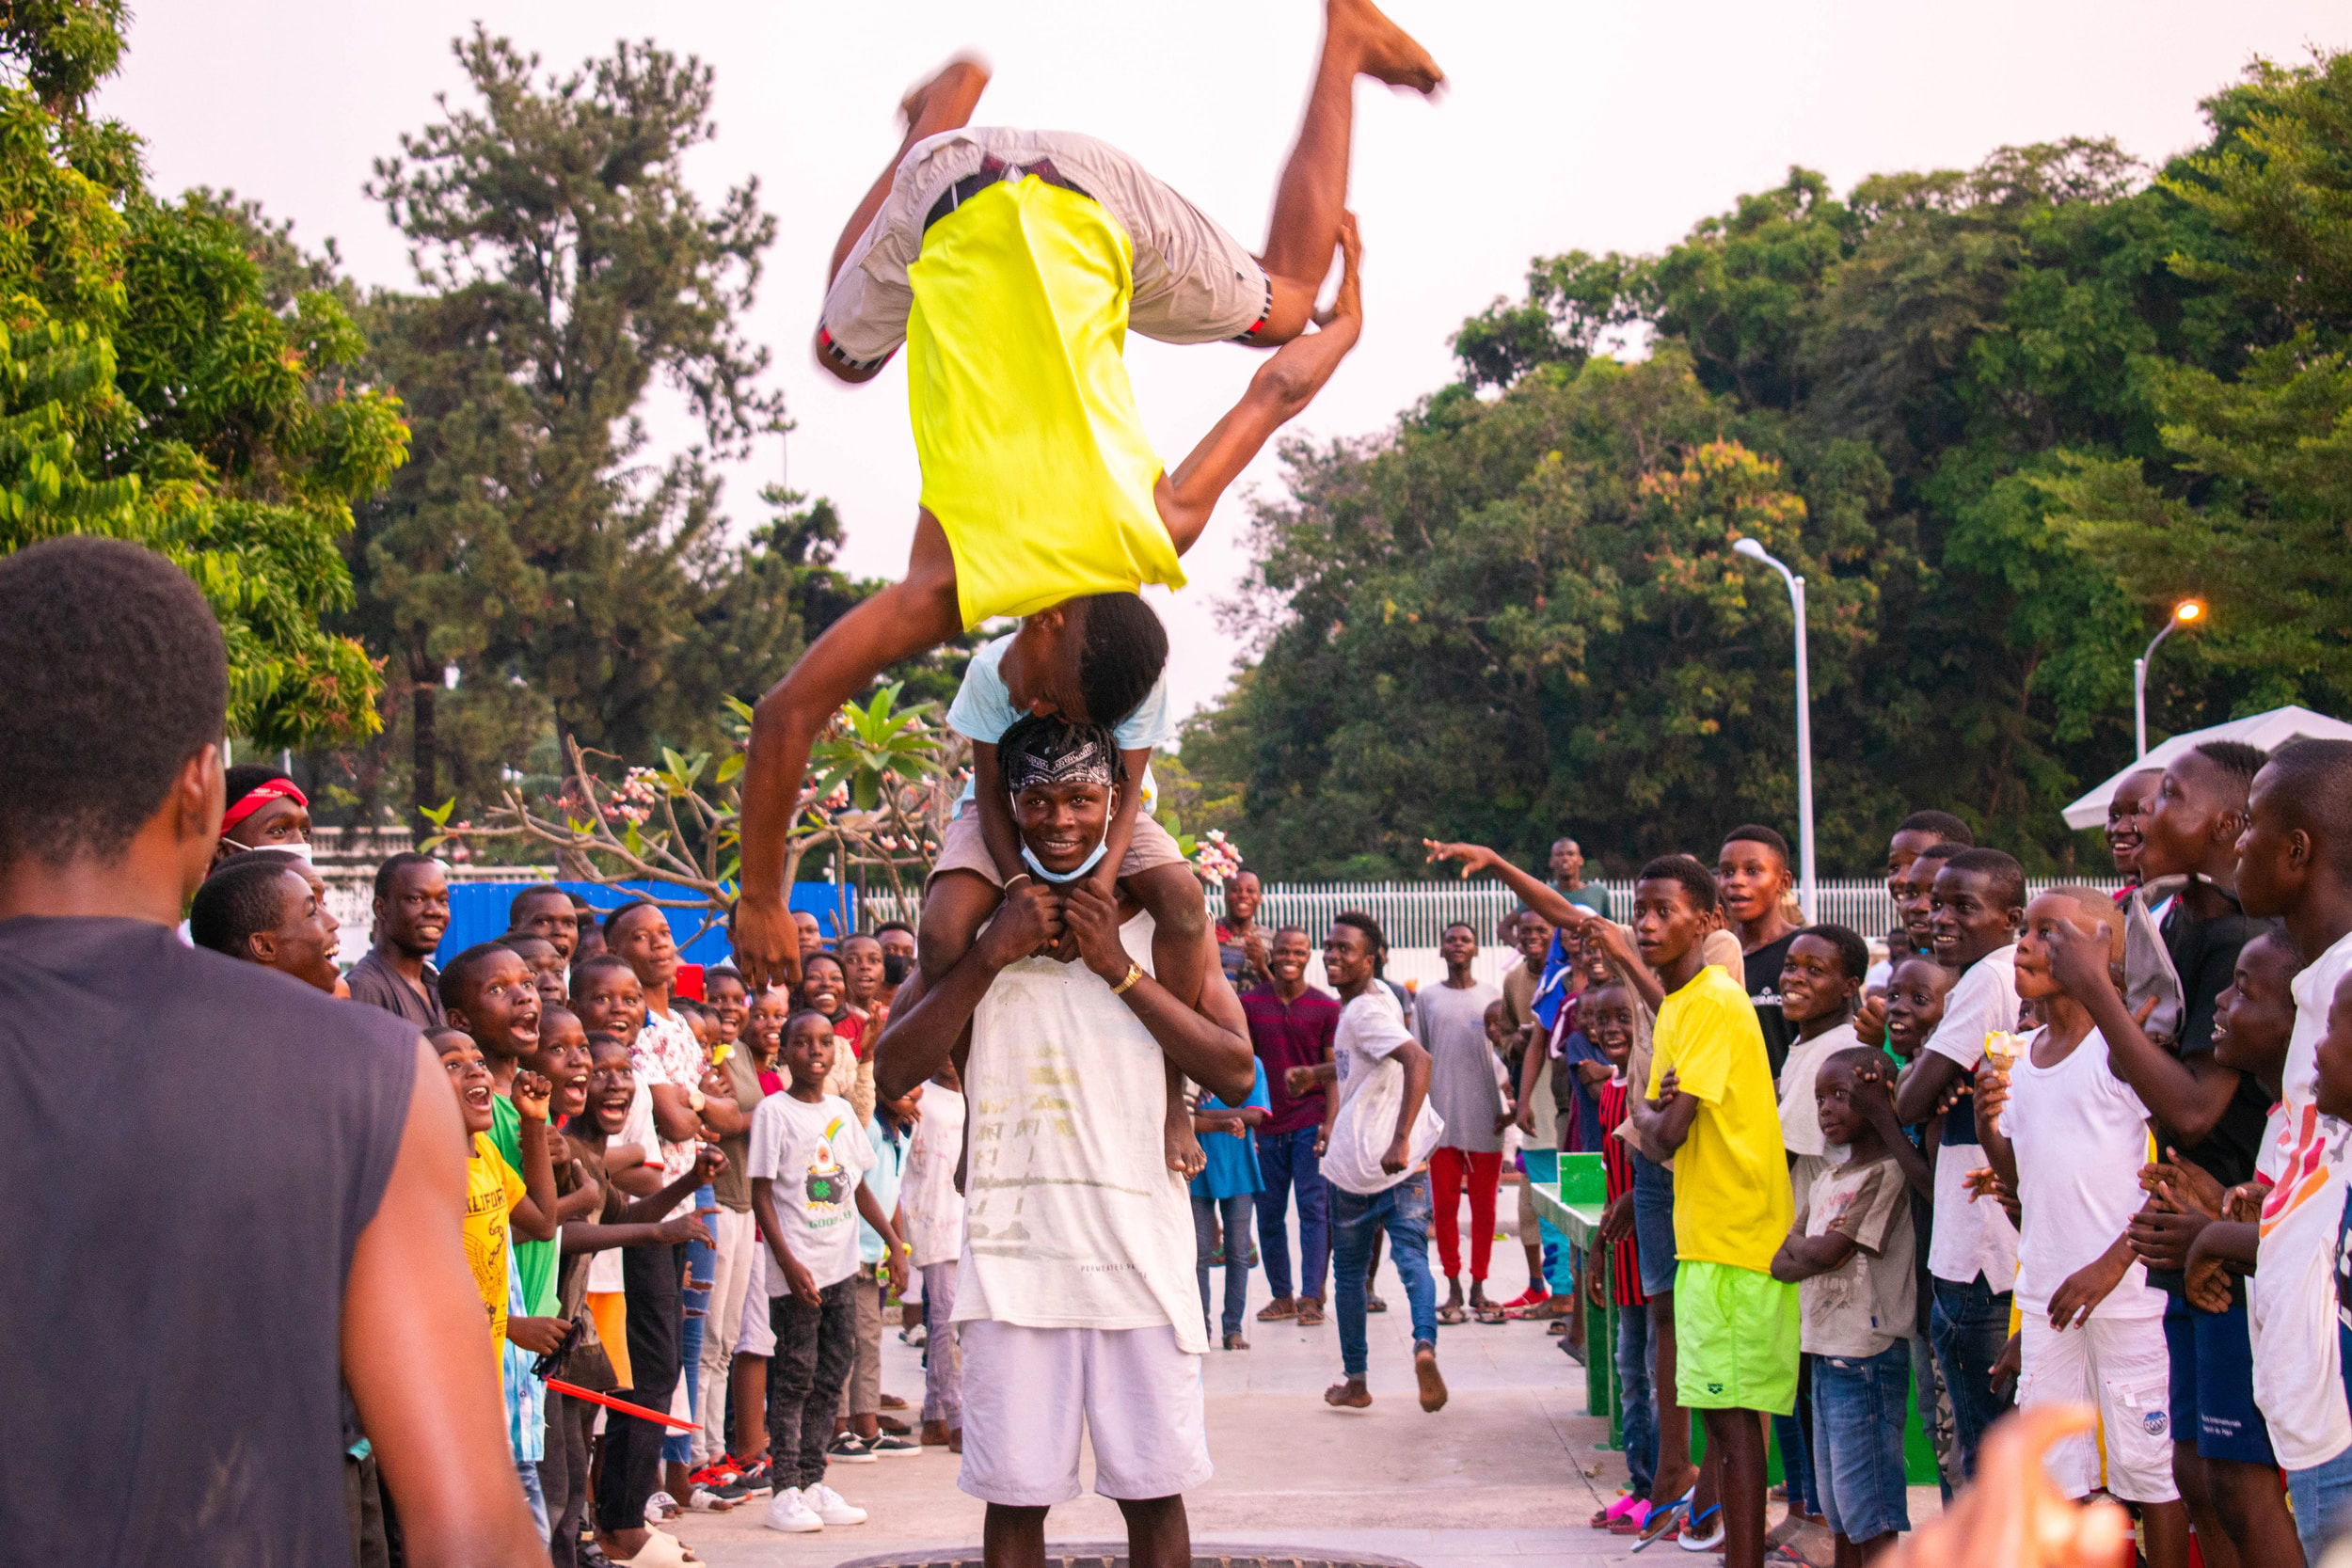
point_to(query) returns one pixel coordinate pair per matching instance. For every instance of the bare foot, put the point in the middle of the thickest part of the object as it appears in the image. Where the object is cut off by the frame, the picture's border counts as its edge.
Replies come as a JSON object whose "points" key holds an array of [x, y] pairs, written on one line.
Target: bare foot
{"points": [[955, 1439], [948, 98], [1386, 52], [934, 1434], [1432, 1382], [1351, 1395], [1186, 1156], [1234, 1341]]}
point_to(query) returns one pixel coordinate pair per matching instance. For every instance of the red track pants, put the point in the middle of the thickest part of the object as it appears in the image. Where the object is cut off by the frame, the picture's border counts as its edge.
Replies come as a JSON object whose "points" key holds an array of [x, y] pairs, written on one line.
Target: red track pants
{"points": [[1448, 1168]]}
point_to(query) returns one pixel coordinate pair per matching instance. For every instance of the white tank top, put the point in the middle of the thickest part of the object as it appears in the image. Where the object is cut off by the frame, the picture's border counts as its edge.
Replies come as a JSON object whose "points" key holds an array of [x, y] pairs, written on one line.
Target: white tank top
{"points": [[1072, 1218]]}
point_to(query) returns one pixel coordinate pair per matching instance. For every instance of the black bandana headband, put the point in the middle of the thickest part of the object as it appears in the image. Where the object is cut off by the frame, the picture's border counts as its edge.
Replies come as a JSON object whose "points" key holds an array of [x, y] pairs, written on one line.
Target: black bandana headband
{"points": [[1046, 751]]}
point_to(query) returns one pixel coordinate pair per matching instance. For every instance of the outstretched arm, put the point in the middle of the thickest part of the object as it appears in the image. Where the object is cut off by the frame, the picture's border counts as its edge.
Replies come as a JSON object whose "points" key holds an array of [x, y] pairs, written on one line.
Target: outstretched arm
{"points": [[910, 616], [1280, 390]]}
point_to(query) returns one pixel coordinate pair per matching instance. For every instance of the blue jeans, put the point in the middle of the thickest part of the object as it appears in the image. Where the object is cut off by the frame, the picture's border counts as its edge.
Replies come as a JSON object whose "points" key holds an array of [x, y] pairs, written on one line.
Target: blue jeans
{"points": [[1235, 1213], [1859, 1403], [1639, 1420], [1402, 1212], [1969, 1327], [527, 1471], [1287, 1160], [2323, 1502], [1793, 1432], [702, 1264]]}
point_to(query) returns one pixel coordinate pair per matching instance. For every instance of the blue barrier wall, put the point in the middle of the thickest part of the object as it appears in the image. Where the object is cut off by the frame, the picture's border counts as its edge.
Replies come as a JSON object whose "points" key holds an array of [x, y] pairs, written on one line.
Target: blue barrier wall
{"points": [[477, 913]]}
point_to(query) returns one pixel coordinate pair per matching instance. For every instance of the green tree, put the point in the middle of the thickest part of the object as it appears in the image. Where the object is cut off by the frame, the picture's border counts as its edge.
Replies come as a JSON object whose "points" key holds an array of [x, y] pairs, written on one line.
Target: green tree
{"points": [[568, 269], [155, 390], [2024, 406]]}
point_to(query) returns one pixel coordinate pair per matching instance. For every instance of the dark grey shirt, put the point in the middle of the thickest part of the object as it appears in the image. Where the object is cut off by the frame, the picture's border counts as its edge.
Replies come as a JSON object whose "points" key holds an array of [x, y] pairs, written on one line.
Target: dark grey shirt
{"points": [[194, 1145], [377, 984]]}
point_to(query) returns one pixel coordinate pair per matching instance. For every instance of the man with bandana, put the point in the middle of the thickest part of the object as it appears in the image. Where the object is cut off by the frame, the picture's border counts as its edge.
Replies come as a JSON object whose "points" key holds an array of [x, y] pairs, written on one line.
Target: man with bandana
{"points": [[1076, 1305]]}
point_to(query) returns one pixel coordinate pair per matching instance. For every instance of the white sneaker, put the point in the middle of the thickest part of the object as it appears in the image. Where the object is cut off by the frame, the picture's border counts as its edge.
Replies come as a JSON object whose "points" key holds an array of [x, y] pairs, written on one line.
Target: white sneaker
{"points": [[830, 1506], [790, 1512]]}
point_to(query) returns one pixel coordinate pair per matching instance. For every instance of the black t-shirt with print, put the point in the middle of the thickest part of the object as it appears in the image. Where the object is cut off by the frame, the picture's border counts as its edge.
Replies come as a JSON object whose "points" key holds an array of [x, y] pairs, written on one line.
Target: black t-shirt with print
{"points": [[1762, 975], [2204, 955]]}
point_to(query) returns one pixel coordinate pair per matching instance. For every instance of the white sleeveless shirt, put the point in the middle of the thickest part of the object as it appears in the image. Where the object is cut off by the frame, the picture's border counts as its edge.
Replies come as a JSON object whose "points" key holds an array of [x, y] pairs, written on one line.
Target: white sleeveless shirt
{"points": [[1072, 1218]]}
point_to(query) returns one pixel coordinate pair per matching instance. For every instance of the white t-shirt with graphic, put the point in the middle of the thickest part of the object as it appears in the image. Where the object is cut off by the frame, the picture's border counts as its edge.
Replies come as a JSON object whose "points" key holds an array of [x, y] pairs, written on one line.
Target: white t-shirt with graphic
{"points": [[813, 1154]]}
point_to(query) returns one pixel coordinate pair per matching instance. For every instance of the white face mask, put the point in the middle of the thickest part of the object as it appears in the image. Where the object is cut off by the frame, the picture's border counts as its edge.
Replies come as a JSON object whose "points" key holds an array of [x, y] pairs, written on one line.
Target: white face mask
{"points": [[295, 848]]}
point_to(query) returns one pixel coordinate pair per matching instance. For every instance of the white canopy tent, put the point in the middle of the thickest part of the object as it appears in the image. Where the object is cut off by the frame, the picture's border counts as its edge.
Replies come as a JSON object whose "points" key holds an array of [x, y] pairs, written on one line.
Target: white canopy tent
{"points": [[2268, 730]]}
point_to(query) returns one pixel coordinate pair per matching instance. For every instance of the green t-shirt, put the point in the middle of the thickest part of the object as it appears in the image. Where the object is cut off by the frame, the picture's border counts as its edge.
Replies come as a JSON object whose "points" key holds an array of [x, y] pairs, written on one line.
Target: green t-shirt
{"points": [[534, 1261]]}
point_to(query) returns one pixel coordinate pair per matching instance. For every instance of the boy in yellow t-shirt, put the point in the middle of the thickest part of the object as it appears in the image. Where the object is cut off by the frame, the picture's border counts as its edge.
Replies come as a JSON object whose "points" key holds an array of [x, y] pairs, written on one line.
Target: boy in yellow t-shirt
{"points": [[1711, 1102], [498, 1200], [1013, 264]]}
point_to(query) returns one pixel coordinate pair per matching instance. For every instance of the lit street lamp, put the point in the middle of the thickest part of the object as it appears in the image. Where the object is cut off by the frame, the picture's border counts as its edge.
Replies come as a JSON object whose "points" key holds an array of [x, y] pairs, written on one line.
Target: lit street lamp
{"points": [[2184, 613], [1755, 552]]}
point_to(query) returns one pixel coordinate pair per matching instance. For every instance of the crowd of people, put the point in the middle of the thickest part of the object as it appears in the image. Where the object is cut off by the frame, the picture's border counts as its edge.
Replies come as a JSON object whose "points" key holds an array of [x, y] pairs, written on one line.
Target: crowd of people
{"points": [[2030, 1155]]}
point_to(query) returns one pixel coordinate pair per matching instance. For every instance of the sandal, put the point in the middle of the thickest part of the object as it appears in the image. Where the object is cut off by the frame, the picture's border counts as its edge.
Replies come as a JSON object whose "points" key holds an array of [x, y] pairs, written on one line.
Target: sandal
{"points": [[1693, 1541], [1631, 1520], [1373, 1304], [1448, 1314], [1491, 1315], [1310, 1312], [1278, 1311]]}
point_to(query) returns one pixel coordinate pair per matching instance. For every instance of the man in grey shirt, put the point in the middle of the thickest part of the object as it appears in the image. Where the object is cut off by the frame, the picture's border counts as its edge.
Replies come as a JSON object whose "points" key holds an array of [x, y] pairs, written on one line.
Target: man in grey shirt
{"points": [[411, 914], [1466, 1087]]}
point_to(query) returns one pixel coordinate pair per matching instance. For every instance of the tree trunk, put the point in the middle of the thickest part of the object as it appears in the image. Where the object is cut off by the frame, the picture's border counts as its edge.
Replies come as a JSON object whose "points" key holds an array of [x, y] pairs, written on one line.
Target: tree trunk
{"points": [[423, 747]]}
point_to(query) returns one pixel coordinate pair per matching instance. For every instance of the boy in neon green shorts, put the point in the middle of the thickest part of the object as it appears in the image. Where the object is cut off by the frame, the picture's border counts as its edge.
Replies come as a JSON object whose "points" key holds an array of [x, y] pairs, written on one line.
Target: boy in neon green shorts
{"points": [[1711, 1102], [1012, 264]]}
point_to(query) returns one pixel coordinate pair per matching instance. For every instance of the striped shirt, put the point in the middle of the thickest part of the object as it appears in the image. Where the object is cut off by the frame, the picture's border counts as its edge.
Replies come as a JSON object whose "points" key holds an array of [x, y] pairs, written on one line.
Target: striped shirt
{"points": [[1625, 1268]]}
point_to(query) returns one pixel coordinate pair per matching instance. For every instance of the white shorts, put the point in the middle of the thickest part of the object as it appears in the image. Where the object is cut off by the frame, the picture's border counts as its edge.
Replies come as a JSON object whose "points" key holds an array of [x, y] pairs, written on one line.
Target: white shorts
{"points": [[2121, 1366], [1029, 1392], [1194, 283]]}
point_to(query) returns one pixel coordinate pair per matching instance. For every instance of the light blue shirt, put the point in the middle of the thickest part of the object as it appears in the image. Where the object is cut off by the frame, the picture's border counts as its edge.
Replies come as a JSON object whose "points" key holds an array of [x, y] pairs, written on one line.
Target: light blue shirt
{"points": [[983, 711], [890, 1163]]}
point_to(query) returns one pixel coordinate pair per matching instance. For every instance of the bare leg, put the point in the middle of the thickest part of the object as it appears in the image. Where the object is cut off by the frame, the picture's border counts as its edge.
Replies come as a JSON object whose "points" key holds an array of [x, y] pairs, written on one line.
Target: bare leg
{"points": [[1158, 1534], [2164, 1526], [1304, 234], [1013, 1537], [1184, 950], [749, 1378], [943, 104], [2253, 1514], [1737, 1437], [1675, 1472]]}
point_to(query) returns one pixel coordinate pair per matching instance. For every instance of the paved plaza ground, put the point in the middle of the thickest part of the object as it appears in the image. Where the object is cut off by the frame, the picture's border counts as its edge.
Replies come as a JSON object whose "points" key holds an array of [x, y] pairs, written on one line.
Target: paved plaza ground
{"points": [[1507, 1474]]}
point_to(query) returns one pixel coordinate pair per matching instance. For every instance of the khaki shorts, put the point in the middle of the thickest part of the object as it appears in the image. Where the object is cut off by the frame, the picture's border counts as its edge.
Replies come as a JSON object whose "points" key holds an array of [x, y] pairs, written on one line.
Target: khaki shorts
{"points": [[964, 848], [1193, 282]]}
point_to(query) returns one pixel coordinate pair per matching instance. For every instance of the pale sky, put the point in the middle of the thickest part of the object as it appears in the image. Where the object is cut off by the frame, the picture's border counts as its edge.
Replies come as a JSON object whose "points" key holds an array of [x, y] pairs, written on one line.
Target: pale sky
{"points": [[1568, 126]]}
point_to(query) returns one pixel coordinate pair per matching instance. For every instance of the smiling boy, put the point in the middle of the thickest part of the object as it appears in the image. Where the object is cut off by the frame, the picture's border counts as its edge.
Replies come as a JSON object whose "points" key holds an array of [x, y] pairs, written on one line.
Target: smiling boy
{"points": [[1709, 1103], [1097, 1335], [1975, 909]]}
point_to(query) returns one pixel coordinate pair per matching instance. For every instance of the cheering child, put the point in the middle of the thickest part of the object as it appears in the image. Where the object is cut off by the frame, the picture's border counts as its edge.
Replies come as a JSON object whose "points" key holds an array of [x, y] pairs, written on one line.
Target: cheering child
{"points": [[808, 1159], [2069, 1138]]}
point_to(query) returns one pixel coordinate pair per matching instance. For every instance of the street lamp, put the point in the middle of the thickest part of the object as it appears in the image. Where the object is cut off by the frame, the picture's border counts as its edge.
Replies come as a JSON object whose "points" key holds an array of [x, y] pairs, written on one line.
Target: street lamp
{"points": [[1755, 552], [2184, 613]]}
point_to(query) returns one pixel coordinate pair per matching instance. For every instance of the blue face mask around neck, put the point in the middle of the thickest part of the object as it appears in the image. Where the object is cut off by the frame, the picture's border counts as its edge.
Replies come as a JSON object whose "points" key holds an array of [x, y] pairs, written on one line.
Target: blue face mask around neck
{"points": [[1065, 876]]}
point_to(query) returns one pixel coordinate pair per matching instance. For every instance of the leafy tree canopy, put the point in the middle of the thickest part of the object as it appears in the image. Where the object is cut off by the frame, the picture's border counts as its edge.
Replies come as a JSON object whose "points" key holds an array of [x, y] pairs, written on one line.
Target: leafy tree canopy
{"points": [[155, 387], [1998, 417]]}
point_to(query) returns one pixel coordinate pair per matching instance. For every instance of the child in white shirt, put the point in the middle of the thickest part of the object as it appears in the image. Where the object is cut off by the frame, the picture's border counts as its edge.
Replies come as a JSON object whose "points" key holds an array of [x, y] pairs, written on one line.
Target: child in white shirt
{"points": [[2070, 1137], [808, 1156]]}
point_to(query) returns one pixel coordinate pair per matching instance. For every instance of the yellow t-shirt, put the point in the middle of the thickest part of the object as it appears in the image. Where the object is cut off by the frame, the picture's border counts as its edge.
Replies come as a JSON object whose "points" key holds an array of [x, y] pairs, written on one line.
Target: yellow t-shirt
{"points": [[1034, 458], [491, 1189], [1732, 1199]]}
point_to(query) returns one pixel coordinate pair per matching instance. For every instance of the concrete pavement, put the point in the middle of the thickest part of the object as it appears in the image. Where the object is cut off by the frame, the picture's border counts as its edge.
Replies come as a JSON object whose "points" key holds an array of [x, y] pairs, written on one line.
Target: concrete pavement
{"points": [[1505, 1475]]}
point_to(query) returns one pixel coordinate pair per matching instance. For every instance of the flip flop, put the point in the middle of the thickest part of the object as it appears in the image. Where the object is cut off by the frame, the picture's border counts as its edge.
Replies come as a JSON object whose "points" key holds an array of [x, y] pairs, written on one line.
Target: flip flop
{"points": [[1662, 1518], [1692, 1541], [1448, 1315], [1631, 1520]]}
